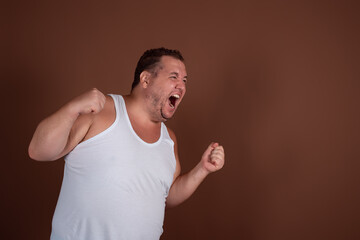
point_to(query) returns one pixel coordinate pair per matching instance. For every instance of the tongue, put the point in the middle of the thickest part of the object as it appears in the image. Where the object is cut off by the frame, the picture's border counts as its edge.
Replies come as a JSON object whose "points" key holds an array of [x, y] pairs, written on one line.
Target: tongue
{"points": [[172, 101]]}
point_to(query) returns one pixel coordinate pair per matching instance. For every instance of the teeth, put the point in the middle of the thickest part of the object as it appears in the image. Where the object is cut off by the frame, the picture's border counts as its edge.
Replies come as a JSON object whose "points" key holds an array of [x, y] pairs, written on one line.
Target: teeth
{"points": [[176, 96]]}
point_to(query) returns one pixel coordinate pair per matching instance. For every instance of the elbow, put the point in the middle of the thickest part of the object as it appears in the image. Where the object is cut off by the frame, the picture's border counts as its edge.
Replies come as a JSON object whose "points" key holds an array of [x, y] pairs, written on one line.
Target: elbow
{"points": [[170, 203], [31, 152], [35, 155]]}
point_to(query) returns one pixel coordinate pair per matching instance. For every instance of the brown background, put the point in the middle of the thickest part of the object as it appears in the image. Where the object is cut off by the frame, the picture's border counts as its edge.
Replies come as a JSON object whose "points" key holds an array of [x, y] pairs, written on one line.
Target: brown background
{"points": [[276, 82]]}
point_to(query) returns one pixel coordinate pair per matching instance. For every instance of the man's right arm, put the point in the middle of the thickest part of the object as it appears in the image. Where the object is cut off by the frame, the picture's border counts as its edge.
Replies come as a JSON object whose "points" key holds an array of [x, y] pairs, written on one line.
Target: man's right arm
{"points": [[59, 133]]}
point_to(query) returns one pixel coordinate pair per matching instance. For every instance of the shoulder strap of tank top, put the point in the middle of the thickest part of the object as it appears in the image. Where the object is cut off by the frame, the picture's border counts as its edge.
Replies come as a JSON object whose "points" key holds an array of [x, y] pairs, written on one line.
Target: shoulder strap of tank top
{"points": [[118, 101], [165, 134]]}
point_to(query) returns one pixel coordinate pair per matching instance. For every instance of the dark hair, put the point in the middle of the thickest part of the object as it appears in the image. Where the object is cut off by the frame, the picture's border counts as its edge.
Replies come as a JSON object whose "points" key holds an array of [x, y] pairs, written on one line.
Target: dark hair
{"points": [[150, 59]]}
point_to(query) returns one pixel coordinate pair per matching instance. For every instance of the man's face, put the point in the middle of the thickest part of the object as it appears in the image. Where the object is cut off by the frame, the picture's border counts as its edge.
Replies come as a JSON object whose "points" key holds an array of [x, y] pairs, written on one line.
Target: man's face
{"points": [[166, 88]]}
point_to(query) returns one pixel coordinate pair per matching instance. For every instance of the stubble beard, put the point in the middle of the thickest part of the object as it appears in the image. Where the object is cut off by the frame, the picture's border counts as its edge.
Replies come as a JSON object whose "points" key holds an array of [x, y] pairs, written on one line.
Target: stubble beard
{"points": [[158, 104]]}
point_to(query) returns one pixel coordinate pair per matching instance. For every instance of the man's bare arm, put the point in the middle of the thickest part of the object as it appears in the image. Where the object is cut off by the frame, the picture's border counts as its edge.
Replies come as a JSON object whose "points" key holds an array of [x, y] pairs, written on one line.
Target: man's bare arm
{"points": [[185, 185], [59, 133]]}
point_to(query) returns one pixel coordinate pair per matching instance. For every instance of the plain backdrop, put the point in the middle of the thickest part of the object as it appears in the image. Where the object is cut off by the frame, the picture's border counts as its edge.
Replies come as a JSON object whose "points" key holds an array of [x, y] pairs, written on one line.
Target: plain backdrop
{"points": [[275, 82]]}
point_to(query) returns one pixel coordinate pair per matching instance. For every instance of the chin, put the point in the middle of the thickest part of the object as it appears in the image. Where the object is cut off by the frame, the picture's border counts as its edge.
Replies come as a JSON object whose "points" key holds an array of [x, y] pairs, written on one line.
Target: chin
{"points": [[166, 117]]}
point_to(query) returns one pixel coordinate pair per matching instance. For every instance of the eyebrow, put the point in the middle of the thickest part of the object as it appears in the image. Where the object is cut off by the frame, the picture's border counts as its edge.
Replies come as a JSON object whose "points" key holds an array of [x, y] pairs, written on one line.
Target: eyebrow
{"points": [[174, 73], [177, 74]]}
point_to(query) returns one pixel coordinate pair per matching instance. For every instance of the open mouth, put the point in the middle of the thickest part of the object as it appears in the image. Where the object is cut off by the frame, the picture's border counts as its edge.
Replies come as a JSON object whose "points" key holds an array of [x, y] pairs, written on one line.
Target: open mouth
{"points": [[173, 99]]}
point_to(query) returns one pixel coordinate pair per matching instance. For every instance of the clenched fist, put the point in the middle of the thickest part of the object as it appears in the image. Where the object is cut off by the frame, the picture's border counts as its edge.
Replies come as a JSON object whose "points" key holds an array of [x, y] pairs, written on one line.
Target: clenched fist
{"points": [[213, 158], [92, 101]]}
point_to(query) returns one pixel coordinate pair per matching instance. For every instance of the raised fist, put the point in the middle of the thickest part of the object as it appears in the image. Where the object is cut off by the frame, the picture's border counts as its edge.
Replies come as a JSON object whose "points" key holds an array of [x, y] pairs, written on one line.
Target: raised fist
{"points": [[92, 101], [213, 158]]}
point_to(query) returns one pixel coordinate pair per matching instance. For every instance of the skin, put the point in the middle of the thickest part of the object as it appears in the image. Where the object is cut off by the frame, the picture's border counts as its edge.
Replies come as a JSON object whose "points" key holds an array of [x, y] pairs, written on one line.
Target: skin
{"points": [[148, 105]]}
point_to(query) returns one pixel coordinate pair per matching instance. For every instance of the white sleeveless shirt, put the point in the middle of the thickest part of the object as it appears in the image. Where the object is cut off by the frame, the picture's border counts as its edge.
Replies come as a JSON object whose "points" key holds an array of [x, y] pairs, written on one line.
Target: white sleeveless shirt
{"points": [[115, 185]]}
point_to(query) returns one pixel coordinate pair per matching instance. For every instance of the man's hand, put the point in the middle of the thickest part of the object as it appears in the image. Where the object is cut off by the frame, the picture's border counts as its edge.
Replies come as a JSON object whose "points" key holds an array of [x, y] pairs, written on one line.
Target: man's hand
{"points": [[213, 158], [92, 101]]}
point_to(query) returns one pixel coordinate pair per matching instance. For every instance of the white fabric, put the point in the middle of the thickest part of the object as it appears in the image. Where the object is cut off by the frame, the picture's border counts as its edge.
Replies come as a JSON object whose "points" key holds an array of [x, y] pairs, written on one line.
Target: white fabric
{"points": [[115, 185]]}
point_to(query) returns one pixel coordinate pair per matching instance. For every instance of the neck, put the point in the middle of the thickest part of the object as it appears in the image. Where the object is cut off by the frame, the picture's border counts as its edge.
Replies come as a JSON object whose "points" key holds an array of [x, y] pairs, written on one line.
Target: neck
{"points": [[147, 129], [137, 108]]}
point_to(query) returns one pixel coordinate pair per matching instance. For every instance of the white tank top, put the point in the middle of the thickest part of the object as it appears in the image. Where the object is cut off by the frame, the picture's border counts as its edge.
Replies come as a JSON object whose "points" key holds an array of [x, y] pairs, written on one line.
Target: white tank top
{"points": [[115, 185]]}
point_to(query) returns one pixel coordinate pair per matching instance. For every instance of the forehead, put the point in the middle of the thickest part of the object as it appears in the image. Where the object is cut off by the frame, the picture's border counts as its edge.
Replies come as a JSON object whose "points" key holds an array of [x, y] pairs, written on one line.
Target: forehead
{"points": [[171, 64]]}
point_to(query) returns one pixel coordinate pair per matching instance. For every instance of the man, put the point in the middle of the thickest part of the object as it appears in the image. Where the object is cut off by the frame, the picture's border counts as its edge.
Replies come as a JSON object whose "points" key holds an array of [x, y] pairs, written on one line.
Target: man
{"points": [[122, 165]]}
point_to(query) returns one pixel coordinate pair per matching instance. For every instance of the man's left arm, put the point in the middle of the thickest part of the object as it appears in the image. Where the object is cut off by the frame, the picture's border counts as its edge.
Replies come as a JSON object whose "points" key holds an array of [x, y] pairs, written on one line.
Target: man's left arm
{"points": [[185, 185]]}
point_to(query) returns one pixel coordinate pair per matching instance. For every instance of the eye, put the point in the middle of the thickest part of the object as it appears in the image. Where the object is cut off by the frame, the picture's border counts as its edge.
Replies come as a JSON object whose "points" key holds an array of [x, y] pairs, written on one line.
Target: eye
{"points": [[185, 80]]}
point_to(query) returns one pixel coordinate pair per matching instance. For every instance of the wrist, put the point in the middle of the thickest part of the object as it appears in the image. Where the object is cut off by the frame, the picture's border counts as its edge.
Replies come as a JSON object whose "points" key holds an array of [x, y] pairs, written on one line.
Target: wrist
{"points": [[201, 171], [70, 111]]}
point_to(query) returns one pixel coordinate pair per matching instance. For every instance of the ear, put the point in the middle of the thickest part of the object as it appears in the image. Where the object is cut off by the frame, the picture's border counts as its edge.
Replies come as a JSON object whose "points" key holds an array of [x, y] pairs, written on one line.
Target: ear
{"points": [[145, 79]]}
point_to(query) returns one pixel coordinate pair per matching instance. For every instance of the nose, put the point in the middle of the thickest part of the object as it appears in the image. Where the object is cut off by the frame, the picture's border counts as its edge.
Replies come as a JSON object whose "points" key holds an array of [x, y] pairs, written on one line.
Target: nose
{"points": [[181, 85]]}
